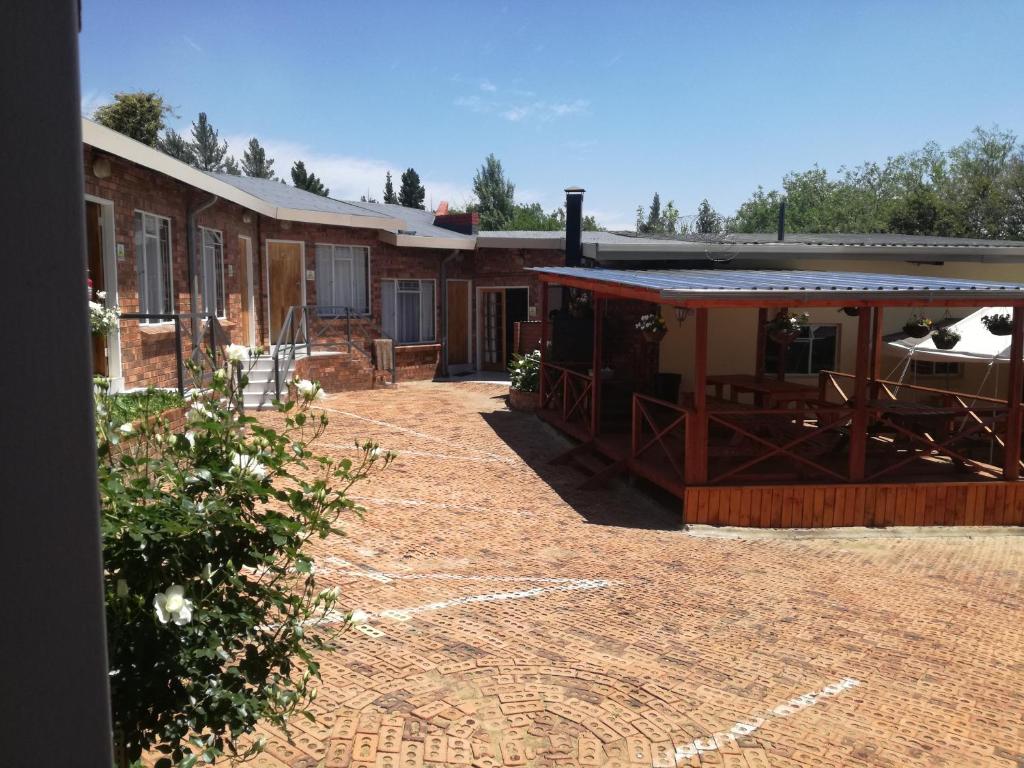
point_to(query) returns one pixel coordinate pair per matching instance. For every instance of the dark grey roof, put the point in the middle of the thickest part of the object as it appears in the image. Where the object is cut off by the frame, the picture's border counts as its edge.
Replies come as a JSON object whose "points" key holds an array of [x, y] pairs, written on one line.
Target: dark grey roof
{"points": [[805, 284], [286, 196], [869, 239], [417, 221]]}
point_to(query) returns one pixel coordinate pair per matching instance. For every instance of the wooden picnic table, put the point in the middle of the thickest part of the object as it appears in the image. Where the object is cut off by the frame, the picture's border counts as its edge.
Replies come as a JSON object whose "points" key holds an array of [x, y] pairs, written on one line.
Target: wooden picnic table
{"points": [[767, 393]]}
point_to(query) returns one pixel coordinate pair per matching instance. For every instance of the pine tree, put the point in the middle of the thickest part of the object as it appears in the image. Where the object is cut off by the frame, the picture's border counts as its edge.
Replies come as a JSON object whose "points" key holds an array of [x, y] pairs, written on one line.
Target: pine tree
{"points": [[495, 194], [708, 221], [175, 145], [303, 179], [411, 193], [139, 115], [206, 146], [389, 191], [653, 223], [231, 166], [256, 163]]}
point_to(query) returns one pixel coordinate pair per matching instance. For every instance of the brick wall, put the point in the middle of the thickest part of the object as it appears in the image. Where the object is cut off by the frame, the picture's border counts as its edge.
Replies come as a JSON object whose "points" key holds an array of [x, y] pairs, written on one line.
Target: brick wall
{"points": [[417, 363], [147, 352], [336, 372]]}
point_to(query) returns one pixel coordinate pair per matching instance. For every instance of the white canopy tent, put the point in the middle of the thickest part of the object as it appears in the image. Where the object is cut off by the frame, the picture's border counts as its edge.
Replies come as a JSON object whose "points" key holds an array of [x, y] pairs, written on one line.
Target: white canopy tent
{"points": [[976, 343]]}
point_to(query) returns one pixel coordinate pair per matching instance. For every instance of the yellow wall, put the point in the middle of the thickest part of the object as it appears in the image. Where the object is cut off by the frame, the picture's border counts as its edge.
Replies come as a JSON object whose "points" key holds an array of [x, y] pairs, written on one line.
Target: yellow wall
{"points": [[732, 333]]}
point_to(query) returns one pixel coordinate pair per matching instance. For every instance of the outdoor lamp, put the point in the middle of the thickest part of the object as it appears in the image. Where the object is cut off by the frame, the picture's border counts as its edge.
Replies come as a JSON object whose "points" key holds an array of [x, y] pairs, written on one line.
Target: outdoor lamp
{"points": [[682, 313]]}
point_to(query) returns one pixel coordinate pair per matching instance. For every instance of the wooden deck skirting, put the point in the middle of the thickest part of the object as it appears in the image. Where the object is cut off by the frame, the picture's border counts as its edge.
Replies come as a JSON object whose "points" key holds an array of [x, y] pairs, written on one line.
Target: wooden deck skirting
{"points": [[879, 505]]}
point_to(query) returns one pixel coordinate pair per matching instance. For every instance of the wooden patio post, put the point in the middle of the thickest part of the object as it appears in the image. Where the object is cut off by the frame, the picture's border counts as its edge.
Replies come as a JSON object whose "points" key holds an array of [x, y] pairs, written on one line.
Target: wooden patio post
{"points": [[1011, 455], [780, 364], [875, 373], [595, 384], [859, 424], [762, 336], [545, 288], [696, 458]]}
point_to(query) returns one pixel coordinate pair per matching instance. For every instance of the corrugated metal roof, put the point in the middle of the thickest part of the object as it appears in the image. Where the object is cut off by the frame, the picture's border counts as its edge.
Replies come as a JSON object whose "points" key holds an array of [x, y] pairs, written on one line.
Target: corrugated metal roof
{"points": [[866, 239], [286, 196], [751, 283]]}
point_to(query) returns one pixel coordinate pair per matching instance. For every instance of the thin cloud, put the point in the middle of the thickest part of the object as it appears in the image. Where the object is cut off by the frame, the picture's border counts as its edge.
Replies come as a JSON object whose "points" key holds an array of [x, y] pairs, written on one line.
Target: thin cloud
{"points": [[93, 100], [544, 111], [487, 85], [192, 43]]}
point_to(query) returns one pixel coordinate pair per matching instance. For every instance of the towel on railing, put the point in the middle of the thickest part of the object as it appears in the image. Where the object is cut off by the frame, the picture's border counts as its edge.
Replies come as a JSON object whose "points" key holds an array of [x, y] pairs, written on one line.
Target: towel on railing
{"points": [[384, 354]]}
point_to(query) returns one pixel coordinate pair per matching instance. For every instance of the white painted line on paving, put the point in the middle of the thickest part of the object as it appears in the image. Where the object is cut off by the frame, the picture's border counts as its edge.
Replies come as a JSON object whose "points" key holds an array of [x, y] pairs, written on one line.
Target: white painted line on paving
{"points": [[410, 431], [404, 452], [402, 614], [785, 709]]}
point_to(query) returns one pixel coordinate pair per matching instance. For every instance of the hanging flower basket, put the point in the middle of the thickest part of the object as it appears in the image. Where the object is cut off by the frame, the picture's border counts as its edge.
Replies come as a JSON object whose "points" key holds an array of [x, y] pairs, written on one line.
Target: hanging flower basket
{"points": [[785, 328], [851, 311], [946, 338], [998, 324], [917, 327], [579, 303], [652, 327]]}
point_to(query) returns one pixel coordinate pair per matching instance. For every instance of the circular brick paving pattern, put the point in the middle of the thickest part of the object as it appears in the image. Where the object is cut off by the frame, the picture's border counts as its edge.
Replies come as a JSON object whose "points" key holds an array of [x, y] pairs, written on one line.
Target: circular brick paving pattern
{"points": [[515, 620]]}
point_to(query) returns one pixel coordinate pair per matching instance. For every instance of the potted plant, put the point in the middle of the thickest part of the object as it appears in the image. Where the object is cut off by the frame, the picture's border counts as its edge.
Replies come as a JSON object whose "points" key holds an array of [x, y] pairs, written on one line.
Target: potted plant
{"points": [[102, 319], [579, 303], [652, 326], [999, 324], [946, 338], [785, 327], [917, 327], [524, 382]]}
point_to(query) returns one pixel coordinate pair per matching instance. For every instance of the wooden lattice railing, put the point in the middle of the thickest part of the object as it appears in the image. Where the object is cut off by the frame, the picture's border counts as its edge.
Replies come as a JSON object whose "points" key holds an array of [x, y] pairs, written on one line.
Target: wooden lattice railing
{"points": [[659, 427], [569, 393]]}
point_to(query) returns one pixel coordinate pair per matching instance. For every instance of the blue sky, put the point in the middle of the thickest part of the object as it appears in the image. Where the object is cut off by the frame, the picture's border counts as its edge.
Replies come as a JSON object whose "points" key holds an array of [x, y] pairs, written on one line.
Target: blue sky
{"points": [[691, 100]]}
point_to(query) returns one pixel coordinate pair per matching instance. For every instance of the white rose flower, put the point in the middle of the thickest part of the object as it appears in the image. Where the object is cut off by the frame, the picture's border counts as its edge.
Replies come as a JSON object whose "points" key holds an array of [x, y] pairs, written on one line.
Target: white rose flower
{"points": [[101, 295], [172, 605], [308, 390], [244, 464], [190, 436], [127, 428], [358, 617], [236, 353], [198, 412]]}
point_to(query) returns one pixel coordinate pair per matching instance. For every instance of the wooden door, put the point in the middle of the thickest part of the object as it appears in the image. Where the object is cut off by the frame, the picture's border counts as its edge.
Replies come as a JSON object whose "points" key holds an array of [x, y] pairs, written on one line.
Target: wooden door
{"points": [[458, 322], [284, 265], [94, 246], [492, 330], [245, 281]]}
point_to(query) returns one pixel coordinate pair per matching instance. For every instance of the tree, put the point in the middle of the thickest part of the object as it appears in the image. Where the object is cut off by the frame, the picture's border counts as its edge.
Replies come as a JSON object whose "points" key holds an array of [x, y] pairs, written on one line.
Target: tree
{"points": [[139, 115], [708, 221], [389, 191], [231, 166], [175, 145], [657, 220], [303, 179], [206, 146], [411, 193], [255, 162], [495, 195]]}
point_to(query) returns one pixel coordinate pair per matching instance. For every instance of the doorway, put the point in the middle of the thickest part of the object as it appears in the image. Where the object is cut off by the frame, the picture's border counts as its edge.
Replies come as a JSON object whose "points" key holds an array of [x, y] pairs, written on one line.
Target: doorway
{"points": [[248, 316], [500, 310], [285, 283], [458, 309]]}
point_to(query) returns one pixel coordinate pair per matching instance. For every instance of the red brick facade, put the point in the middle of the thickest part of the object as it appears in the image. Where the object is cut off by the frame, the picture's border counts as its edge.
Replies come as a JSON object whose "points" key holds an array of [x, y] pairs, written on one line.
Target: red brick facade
{"points": [[147, 350]]}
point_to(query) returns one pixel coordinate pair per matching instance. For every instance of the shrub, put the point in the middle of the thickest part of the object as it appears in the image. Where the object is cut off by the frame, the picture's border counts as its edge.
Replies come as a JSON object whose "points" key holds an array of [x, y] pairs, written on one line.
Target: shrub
{"points": [[132, 406], [998, 324], [213, 606], [524, 373]]}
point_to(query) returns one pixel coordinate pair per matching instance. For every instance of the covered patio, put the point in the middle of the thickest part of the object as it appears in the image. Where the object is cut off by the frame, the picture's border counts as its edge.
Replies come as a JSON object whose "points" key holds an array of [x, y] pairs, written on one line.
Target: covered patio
{"points": [[759, 450]]}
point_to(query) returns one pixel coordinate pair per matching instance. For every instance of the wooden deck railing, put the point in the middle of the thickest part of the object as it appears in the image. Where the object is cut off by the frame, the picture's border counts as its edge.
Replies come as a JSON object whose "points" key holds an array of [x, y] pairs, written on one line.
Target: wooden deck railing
{"points": [[662, 425], [568, 393]]}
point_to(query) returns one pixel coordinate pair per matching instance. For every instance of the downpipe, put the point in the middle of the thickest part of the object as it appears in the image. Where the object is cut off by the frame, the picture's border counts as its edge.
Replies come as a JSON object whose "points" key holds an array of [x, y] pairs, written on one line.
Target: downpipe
{"points": [[193, 268], [443, 288]]}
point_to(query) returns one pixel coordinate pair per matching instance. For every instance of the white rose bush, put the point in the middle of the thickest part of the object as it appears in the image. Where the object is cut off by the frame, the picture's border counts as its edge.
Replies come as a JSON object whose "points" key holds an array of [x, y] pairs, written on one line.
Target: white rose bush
{"points": [[214, 613]]}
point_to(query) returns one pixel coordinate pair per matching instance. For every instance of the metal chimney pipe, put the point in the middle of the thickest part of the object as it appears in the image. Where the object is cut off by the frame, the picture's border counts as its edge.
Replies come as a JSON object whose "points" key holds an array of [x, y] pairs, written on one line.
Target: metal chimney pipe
{"points": [[782, 221], [573, 226]]}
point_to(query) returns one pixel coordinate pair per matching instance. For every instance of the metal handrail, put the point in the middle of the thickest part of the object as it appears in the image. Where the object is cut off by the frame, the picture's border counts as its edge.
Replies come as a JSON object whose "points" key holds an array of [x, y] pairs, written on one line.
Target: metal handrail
{"points": [[213, 326]]}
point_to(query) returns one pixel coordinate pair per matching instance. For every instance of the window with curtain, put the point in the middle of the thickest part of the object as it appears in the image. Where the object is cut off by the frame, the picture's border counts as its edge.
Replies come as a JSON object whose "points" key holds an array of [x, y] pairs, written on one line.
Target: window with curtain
{"points": [[407, 310], [153, 264], [213, 300], [815, 349], [341, 278]]}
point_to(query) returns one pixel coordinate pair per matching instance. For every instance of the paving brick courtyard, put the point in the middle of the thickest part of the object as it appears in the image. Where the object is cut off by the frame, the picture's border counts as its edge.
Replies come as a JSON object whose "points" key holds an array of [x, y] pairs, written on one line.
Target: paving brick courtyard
{"points": [[514, 620]]}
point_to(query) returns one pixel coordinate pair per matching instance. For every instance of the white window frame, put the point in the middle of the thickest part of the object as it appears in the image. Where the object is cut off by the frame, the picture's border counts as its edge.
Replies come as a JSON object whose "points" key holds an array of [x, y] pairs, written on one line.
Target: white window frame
{"points": [[204, 286], [394, 320], [350, 256], [810, 348], [139, 273]]}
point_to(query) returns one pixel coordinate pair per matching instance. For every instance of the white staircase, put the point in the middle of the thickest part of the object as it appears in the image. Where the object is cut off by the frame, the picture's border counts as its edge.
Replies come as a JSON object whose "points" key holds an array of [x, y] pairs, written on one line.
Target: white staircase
{"points": [[259, 393]]}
